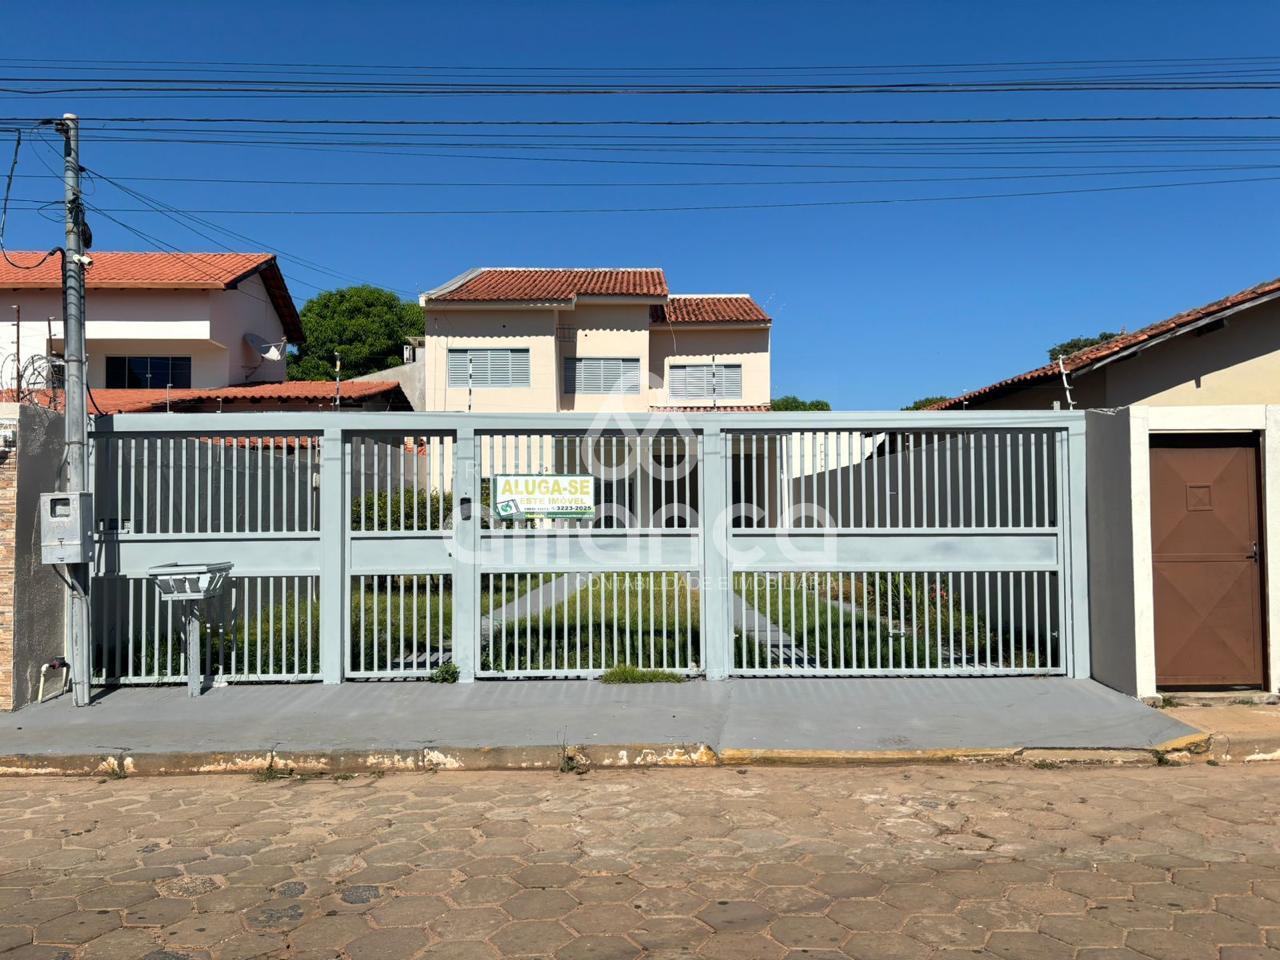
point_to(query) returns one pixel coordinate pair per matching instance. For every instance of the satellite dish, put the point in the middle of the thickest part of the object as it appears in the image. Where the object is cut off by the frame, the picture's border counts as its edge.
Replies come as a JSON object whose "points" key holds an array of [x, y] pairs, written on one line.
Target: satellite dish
{"points": [[260, 349]]}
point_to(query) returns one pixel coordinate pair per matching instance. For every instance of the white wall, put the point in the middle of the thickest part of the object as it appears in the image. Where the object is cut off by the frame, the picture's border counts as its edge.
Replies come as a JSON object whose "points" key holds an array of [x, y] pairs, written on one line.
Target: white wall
{"points": [[208, 325], [232, 314]]}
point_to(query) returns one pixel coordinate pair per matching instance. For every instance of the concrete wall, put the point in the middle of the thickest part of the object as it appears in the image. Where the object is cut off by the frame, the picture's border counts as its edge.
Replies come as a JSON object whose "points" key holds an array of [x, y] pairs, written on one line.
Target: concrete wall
{"points": [[606, 330], [1237, 364], [32, 598], [1112, 628], [412, 378], [208, 325]]}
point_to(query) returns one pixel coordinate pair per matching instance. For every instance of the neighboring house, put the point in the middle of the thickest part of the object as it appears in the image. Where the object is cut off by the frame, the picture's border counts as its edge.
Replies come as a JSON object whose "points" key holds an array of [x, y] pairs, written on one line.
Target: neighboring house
{"points": [[1183, 492], [182, 320], [548, 340]]}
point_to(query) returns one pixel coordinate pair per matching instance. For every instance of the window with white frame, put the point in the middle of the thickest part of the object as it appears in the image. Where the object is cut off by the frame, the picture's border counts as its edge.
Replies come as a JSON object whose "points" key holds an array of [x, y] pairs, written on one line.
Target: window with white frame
{"points": [[601, 374], [503, 367], [705, 381]]}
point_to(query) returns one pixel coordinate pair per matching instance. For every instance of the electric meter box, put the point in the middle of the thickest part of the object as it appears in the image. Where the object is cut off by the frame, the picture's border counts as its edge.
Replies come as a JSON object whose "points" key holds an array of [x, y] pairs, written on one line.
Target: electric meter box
{"points": [[66, 527]]}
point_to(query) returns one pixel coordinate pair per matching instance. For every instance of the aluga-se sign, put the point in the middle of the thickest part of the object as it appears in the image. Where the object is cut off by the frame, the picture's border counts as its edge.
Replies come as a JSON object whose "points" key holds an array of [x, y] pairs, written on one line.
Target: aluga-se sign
{"points": [[544, 495]]}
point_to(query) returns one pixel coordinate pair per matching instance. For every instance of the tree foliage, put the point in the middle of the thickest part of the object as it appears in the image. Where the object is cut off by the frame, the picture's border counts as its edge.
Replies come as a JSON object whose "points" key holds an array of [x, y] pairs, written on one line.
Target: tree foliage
{"points": [[1068, 347], [791, 404], [365, 325], [925, 402]]}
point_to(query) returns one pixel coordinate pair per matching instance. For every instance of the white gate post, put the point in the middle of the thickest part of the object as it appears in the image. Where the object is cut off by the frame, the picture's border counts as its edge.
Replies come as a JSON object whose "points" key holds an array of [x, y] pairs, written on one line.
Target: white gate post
{"points": [[713, 580], [466, 567], [1075, 536], [335, 516]]}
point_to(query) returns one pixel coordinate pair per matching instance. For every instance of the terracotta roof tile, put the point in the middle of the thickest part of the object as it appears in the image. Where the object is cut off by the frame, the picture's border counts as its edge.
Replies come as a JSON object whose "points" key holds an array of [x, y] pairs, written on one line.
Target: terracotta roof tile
{"points": [[139, 400], [711, 308], [110, 269], [1081, 360], [152, 270], [516, 284]]}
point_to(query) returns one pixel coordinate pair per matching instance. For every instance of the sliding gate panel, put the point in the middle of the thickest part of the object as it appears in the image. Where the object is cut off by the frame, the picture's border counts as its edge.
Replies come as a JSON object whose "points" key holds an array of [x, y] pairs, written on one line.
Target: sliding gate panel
{"points": [[192, 491], [574, 596], [399, 566], [899, 551]]}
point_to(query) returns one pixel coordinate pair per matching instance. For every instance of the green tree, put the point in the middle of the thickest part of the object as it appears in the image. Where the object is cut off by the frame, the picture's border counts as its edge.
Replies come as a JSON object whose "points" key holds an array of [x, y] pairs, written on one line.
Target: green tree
{"points": [[924, 403], [365, 325], [1068, 347], [791, 404]]}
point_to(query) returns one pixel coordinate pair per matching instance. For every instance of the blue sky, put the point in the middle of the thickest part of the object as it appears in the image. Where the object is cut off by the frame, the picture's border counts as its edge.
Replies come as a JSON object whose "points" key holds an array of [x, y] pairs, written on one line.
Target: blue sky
{"points": [[874, 305]]}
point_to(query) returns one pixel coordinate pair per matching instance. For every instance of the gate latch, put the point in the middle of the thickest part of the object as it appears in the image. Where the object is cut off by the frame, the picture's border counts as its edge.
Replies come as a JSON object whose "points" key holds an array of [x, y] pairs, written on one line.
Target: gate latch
{"points": [[464, 508]]}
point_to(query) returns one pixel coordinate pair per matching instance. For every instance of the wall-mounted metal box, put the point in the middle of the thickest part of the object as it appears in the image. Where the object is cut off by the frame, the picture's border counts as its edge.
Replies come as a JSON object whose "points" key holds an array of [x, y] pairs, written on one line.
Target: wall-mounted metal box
{"points": [[66, 527]]}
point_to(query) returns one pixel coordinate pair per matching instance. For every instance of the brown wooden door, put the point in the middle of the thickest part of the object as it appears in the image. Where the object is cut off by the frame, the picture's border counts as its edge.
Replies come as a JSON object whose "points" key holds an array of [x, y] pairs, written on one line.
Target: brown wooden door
{"points": [[1208, 570]]}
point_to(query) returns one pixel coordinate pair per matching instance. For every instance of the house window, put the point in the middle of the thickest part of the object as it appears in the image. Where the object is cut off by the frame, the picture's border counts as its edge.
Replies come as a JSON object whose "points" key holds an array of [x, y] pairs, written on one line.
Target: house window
{"points": [[601, 375], [489, 368], [702, 381], [155, 372]]}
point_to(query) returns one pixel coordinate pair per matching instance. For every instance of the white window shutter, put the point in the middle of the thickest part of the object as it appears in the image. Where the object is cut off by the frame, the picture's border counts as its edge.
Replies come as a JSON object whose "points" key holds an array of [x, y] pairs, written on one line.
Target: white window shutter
{"points": [[519, 366], [677, 383], [729, 381], [630, 376], [458, 368]]}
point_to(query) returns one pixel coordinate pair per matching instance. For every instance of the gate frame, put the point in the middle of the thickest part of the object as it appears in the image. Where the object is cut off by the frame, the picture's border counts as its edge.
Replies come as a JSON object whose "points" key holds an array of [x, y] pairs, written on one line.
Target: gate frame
{"points": [[715, 530]]}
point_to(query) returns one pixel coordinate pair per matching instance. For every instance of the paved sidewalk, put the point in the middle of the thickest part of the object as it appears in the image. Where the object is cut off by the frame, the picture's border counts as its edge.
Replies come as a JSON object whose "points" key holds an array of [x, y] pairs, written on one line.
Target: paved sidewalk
{"points": [[1248, 732], [903, 863], [738, 718]]}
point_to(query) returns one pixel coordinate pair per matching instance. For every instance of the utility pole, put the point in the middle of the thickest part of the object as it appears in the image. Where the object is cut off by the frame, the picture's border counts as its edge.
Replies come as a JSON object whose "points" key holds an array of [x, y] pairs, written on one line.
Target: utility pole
{"points": [[77, 475]]}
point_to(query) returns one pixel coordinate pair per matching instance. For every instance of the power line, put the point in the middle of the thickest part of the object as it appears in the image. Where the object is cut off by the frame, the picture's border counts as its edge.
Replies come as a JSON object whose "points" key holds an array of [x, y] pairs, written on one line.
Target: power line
{"points": [[60, 86], [707, 207], [708, 122], [4, 210], [632, 184], [185, 218], [172, 213]]}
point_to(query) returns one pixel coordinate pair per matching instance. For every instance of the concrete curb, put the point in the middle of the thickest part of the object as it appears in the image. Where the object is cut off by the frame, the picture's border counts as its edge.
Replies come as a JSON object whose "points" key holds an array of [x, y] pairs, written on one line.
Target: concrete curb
{"points": [[566, 758], [735, 757]]}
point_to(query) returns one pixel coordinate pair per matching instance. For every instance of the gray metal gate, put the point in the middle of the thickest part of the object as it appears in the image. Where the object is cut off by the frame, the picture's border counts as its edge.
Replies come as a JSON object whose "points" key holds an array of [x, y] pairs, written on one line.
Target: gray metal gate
{"points": [[364, 545]]}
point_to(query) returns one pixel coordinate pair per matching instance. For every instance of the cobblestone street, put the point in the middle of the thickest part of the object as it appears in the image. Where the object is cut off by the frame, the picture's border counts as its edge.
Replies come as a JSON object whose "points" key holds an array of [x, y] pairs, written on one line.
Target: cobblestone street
{"points": [[869, 862]]}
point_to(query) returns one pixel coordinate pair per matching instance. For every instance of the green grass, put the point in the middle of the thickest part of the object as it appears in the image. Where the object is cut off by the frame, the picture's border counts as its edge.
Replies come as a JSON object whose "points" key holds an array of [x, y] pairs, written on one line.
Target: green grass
{"points": [[868, 631], [648, 620], [625, 673], [384, 624]]}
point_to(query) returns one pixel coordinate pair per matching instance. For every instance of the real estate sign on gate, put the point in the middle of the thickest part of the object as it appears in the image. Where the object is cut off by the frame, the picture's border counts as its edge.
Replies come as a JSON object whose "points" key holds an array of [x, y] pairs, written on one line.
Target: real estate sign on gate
{"points": [[518, 495]]}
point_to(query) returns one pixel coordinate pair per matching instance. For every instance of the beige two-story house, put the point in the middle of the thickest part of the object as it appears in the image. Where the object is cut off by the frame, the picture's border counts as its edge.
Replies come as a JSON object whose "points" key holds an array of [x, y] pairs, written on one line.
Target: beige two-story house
{"points": [[502, 339]]}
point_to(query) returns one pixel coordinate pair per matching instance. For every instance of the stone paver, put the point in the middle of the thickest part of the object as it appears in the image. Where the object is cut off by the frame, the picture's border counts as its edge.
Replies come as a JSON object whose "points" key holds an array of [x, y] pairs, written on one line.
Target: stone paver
{"points": [[765, 864]]}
